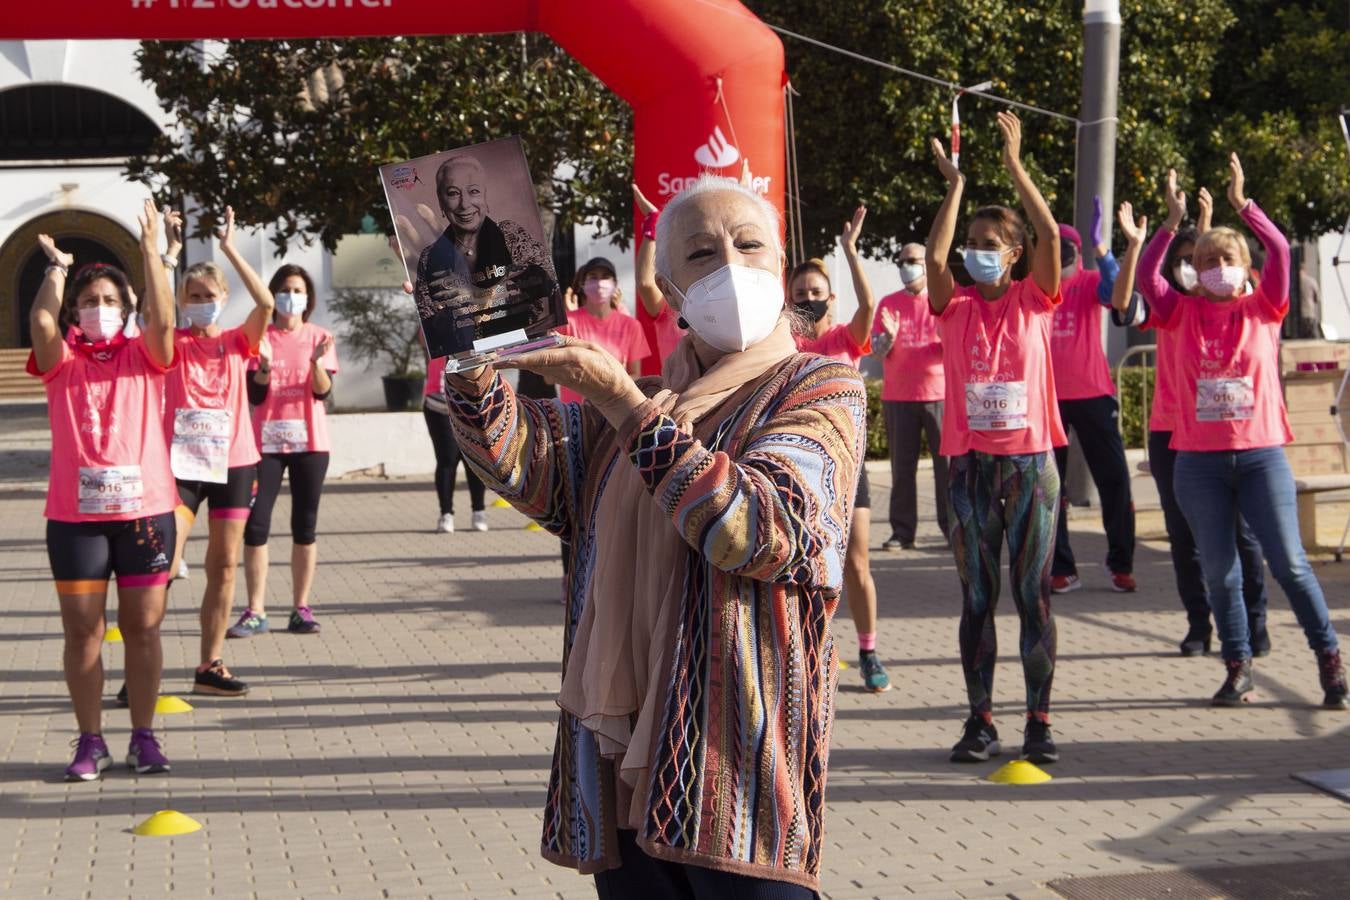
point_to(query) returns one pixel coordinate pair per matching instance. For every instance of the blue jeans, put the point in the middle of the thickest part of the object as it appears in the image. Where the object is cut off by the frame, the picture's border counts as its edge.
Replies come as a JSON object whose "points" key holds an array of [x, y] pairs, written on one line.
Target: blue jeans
{"points": [[1212, 489]]}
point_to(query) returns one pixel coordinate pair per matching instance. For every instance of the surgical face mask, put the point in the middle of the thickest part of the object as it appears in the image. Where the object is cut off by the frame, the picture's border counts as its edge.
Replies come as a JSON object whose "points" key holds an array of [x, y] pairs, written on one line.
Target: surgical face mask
{"points": [[985, 266], [1224, 281], [599, 290], [911, 272], [100, 323], [290, 303], [201, 315], [1185, 275], [814, 310], [733, 308]]}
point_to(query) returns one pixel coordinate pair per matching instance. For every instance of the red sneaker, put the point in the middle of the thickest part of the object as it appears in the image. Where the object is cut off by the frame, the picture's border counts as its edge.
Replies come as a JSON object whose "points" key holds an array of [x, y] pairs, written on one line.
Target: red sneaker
{"points": [[1123, 583], [1062, 584]]}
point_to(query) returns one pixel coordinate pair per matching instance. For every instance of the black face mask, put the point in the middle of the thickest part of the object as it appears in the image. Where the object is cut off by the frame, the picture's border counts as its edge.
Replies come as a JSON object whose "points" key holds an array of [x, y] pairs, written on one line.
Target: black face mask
{"points": [[1068, 253], [814, 310]]}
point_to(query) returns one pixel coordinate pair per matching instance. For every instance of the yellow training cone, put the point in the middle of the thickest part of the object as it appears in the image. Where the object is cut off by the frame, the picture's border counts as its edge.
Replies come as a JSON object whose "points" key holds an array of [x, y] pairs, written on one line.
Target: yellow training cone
{"points": [[499, 503], [167, 705], [534, 526], [1019, 771], [167, 823], [113, 635], [842, 664]]}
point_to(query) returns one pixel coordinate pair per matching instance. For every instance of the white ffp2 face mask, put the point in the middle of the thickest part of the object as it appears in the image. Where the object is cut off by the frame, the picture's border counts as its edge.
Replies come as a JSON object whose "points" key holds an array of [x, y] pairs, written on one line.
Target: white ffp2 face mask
{"points": [[290, 303], [100, 323], [733, 308]]}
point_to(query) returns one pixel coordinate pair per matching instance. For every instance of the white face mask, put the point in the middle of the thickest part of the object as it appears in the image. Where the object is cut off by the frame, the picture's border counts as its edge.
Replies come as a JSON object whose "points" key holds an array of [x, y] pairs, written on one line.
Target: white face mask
{"points": [[201, 315], [1186, 276], [290, 303], [99, 323], [733, 308], [911, 273], [1224, 281]]}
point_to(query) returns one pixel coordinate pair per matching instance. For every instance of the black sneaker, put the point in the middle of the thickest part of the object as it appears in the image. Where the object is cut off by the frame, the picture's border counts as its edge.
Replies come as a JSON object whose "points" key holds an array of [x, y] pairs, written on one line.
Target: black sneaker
{"points": [[1038, 744], [978, 742], [122, 696], [217, 680], [1237, 687], [1331, 673], [1260, 640], [1198, 641]]}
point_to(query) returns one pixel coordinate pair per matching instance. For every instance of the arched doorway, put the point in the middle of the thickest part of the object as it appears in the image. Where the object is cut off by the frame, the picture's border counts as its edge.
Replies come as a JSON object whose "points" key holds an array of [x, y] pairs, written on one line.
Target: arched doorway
{"points": [[90, 237]]}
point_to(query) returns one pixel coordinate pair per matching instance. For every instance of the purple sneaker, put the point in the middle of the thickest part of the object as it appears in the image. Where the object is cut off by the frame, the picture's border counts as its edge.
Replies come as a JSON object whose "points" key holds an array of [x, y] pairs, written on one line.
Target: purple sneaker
{"points": [[144, 754], [302, 622], [91, 758]]}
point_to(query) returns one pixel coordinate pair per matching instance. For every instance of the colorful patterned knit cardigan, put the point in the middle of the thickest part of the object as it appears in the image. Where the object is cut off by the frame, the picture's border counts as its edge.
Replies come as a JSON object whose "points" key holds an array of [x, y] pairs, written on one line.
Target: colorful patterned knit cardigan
{"points": [[738, 775]]}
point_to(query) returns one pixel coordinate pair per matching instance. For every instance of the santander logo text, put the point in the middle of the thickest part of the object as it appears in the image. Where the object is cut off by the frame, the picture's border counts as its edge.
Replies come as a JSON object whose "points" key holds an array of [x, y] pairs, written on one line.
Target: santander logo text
{"points": [[717, 153]]}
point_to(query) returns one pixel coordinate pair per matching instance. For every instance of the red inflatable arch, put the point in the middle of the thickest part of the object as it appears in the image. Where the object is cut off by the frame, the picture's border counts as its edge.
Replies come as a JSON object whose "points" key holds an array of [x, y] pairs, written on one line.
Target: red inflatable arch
{"points": [[704, 77]]}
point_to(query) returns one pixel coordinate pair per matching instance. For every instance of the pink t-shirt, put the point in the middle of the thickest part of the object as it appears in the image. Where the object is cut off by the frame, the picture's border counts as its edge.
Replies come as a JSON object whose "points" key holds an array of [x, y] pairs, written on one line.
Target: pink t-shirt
{"points": [[837, 343], [912, 369], [618, 333], [290, 420], [110, 459], [668, 332], [1081, 370], [1000, 385], [435, 377], [1226, 363], [205, 394]]}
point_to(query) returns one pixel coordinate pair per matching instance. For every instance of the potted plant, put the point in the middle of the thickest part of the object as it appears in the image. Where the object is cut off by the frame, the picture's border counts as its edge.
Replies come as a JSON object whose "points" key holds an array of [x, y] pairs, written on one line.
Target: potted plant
{"points": [[381, 327]]}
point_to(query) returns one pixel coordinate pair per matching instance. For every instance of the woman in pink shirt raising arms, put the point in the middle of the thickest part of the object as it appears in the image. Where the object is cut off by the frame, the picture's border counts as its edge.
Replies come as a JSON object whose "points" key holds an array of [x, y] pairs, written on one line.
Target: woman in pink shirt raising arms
{"points": [[110, 495], [601, 319], [813, 299], [1230, 432], [1000, 427], [292, 379], [211, 446]]}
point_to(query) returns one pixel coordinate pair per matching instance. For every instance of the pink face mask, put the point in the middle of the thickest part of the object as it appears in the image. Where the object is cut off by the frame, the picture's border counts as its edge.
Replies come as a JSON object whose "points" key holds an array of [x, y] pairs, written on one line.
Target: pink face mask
{"points": [[599, 290], [1224, 281]]}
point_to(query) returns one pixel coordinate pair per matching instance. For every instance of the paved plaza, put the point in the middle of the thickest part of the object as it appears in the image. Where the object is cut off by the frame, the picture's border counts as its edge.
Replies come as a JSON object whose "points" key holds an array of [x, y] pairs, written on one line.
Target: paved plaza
{"points": [[403, 752]]}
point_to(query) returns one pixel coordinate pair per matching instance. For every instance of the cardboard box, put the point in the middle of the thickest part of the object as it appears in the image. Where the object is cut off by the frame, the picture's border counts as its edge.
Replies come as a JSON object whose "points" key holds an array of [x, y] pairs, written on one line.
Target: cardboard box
{"points": [[1313, 351], [1316, 459], [1311, 391], [1323, 431]]}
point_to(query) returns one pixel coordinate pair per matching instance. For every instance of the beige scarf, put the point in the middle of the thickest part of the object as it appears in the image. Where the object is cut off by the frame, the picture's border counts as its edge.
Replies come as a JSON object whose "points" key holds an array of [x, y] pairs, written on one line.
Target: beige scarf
{"points": [[618, 672]]}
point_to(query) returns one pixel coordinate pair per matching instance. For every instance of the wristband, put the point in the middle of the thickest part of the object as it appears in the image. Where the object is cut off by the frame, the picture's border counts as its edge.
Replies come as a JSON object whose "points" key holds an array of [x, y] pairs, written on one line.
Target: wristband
{"points": [[170, 262], [56, 267], [649, 225]]}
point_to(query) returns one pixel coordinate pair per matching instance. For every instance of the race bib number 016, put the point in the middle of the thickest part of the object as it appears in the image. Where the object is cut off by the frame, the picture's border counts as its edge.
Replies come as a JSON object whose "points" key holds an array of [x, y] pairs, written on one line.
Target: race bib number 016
{"points": [[116, 489], [201, 445], [285, 436], [996, 405], [1224, 399]]}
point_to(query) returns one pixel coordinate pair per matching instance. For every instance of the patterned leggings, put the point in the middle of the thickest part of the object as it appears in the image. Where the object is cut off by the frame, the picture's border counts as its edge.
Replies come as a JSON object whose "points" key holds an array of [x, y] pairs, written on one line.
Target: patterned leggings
{"points": [[991, 495]]}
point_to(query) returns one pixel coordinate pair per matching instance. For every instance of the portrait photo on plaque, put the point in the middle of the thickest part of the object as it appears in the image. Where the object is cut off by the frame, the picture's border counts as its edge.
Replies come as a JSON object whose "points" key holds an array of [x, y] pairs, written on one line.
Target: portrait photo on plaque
{"points": [[468, 228]]}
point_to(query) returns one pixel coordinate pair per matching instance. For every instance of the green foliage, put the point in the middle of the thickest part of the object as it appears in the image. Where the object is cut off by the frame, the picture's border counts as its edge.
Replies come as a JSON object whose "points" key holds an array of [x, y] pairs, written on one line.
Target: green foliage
{"points": [[1130, 391], [1197, 78], [379, 327], [290, 132], [877, 447]]}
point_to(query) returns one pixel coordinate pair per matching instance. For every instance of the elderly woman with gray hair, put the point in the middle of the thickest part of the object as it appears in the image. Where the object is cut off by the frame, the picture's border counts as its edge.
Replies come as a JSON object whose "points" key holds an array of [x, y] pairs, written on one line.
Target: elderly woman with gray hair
{"points": [[706, 515]]}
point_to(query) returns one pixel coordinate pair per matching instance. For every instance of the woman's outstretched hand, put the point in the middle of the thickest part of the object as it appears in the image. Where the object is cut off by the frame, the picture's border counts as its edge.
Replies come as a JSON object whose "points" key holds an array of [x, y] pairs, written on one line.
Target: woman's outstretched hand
{"points": [[1236, 182], [945, 165], [588, 370], [54, 256], [1011, 128], [1134, 231], [848, 236]]}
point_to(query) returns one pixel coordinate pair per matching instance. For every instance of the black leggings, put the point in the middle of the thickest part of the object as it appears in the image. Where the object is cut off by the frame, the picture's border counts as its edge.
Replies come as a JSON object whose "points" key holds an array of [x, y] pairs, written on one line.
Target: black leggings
{"points": [[642, 877], [447, 464], [307, 474]]}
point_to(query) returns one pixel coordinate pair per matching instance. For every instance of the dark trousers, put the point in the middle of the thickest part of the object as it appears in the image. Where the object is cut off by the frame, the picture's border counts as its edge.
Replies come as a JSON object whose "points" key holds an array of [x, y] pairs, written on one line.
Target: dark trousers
{"points": [[1186, 556], [905, 422], [642, 877], [1094, 420], [447, 464]]}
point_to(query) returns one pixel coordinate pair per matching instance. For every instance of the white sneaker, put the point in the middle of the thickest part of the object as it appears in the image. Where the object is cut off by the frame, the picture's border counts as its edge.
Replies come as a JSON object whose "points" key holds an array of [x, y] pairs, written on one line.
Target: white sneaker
{"points": [[480, 520], [446, 524], [182, 569]]}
